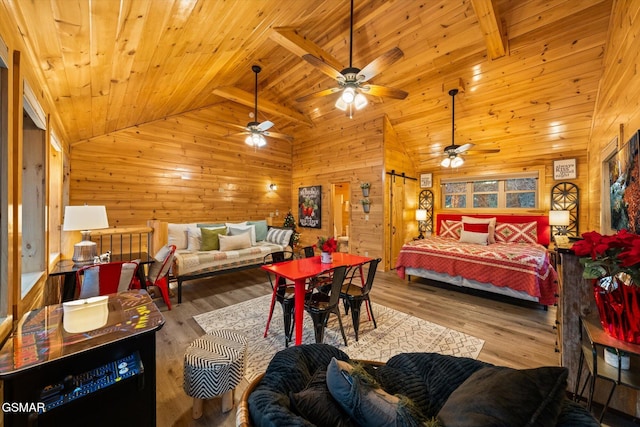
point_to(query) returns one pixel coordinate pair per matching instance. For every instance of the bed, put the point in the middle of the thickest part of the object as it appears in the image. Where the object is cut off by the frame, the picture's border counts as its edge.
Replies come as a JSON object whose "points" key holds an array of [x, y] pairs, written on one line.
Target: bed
{"points": [[515, 263]]}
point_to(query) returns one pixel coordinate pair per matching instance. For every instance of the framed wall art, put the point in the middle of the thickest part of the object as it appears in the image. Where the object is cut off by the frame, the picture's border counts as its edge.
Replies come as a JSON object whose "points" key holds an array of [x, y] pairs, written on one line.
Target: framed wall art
{"points": [[310, 206], [564, 169], [624, 186], [426, 180]]}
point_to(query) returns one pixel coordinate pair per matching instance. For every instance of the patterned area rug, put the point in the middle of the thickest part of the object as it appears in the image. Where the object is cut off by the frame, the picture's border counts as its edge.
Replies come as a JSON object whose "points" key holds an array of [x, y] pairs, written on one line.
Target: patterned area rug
{"points": [[397, 332]]}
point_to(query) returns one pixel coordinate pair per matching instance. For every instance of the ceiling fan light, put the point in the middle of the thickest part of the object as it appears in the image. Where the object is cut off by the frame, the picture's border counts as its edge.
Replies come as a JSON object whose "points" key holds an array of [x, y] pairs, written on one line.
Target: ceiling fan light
{"points": [[341, 105], [360, 101], [255, 140], [458, 161], [445, 162], [348, 94]]}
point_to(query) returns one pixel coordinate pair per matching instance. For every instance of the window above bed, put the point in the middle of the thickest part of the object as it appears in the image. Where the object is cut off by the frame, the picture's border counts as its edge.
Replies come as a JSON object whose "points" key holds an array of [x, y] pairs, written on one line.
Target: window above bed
{"points": [[519, 191]]}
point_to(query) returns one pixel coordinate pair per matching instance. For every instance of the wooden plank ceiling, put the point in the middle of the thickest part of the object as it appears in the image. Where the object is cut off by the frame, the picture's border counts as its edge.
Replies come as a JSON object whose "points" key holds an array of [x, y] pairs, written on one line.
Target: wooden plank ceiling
{"points": [[528, 70]]}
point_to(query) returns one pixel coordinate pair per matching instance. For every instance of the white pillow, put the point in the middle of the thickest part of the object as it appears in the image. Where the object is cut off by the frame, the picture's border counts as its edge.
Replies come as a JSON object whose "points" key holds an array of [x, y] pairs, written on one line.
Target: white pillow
{"points": [[473, 237], [194, 238], [279, 236], [235, 229], [490, 221], [232, 243], [178, 235]]}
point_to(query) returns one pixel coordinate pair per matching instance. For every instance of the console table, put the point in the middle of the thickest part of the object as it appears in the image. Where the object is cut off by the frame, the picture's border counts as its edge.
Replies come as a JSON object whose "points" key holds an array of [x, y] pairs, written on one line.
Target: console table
{"points": [[103, 377], [594, 342]]}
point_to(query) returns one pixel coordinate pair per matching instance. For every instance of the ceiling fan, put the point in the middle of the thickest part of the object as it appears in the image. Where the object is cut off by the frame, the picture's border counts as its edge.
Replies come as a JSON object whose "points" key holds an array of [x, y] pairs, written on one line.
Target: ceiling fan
{"points": [[352, 81], [452, 152], [255, 130]]}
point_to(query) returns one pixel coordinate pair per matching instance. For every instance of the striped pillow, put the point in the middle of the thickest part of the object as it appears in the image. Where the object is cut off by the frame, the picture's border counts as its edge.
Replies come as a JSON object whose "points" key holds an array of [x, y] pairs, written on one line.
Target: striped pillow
{"points": [[279, 236]]}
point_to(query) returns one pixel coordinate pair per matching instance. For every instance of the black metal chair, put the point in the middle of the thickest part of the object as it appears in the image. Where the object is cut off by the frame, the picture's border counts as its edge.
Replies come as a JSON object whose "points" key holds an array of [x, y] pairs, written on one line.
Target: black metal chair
{"points": [[320, 305], [283, 292], [309, 251], [352, 295]]}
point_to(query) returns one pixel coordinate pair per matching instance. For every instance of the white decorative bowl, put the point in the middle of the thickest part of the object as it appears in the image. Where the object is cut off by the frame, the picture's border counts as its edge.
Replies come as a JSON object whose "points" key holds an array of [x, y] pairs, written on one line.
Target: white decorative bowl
{"points": [[85, 315]]}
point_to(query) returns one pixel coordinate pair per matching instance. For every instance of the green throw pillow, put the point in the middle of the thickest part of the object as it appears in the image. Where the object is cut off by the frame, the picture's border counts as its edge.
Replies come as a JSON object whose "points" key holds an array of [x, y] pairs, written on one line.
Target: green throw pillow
{"points": [[499, 396], [210, 240], [261, 229]]}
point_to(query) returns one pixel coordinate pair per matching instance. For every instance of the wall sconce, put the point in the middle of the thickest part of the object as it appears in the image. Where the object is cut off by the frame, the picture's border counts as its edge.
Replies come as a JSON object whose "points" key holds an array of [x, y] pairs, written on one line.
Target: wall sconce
{"points": [[273, 187], [421, 217]]}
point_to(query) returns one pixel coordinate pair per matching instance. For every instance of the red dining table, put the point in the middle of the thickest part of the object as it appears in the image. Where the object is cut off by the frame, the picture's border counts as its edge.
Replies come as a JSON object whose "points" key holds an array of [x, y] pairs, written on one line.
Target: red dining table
{"points": [[299, 270]]}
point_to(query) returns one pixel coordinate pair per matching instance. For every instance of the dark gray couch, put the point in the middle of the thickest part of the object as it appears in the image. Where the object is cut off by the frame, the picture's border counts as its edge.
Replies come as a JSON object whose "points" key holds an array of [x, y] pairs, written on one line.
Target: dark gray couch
{"points": [[436, 390]]}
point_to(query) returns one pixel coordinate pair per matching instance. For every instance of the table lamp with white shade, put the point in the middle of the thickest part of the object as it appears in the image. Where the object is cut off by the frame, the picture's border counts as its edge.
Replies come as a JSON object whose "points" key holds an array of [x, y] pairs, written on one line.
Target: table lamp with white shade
{"points": [[559, 221], [84, 219], [421, 217]]}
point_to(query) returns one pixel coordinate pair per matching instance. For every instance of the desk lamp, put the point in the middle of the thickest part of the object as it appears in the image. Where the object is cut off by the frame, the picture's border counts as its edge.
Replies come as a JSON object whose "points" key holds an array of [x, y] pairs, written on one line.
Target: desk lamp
{"points": [[559, 220], [83, 219]]}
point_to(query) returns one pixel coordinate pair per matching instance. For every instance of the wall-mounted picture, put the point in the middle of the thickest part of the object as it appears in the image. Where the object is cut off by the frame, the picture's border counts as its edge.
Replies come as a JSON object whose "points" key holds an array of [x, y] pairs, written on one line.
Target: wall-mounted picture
{"points": [[624, 188], [426, 180], [310, 206], [564, 169]]}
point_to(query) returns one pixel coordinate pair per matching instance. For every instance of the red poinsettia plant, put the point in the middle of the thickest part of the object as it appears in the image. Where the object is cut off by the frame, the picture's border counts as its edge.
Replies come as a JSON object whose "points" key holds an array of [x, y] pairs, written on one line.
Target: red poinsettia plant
{"points": [[609, 255], [327, 244]]}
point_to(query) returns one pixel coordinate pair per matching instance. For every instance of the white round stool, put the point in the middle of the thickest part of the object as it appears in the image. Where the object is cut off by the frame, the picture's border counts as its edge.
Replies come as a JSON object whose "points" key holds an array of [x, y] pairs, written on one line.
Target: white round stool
{"points": [[214, 366]]}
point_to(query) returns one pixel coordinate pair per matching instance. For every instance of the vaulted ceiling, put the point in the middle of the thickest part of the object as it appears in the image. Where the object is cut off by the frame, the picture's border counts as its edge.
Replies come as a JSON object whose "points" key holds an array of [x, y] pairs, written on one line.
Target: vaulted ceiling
{"points": [[528, 71]]}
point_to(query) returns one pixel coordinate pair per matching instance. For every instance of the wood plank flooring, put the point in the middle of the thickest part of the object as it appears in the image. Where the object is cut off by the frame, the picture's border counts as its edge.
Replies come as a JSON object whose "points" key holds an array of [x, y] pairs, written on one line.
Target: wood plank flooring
{"points": [[516, 336]]}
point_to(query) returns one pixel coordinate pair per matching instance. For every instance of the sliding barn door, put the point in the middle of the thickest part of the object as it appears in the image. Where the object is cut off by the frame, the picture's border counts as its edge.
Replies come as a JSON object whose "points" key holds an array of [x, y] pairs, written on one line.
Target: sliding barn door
{"points": [[397, 226]]}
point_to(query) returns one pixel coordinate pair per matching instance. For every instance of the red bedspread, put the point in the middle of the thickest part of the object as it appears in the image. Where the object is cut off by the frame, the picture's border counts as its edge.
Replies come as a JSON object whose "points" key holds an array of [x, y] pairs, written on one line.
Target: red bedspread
{"points": [[518, 266]]}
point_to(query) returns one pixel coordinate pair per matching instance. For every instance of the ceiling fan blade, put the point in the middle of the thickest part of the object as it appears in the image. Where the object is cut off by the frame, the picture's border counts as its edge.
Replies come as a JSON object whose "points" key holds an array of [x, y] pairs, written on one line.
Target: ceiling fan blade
{"points": [[377, 65], [323, 66], [463, 148], [231, 125], [486, 151], [378, 90], [278, 135], [265, 125], [319, 94]]}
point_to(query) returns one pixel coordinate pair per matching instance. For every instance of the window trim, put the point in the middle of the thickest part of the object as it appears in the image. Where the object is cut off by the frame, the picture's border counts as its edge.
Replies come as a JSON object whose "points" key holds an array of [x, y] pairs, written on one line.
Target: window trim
{"points": [[536, 173]]}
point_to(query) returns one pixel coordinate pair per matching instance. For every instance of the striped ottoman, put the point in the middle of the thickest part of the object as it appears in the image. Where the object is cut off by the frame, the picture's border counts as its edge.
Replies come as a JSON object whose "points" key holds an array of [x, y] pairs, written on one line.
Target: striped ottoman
{"points": [[213, 366]]}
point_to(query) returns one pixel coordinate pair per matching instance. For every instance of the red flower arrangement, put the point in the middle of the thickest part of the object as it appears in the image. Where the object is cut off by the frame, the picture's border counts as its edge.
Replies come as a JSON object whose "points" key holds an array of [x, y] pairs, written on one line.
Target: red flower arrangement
{"points": [[327, 244], [609, 255]]}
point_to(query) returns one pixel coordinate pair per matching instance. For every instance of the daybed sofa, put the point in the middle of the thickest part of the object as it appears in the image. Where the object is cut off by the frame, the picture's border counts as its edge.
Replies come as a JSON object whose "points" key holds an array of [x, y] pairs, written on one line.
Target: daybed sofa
{"points": [[304, 386], [208, 249]]}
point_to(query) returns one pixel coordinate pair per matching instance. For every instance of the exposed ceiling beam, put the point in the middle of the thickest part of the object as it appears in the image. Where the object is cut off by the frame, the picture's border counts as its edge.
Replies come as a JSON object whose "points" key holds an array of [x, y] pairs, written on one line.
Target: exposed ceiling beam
{"points": [[289, 39], [248, 99], [491, 27]]}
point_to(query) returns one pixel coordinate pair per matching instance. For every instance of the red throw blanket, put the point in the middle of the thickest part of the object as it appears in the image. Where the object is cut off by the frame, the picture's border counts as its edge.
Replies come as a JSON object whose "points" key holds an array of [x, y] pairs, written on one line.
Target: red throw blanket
{"points": [[518, 266]]}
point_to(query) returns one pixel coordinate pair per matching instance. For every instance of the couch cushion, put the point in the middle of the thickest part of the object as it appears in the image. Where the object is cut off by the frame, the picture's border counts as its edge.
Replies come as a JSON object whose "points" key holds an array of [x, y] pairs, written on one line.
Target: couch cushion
{"points": [[499, 396], [177, 235], [232, 243], [235, 229], [261, 229], [210, 238]]}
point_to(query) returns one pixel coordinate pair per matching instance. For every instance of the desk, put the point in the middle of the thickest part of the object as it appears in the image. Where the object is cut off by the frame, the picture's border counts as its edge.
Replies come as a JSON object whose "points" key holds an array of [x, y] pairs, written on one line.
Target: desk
{"points": [[594, 341], [68, 268], [41, 357], [299, 270]]}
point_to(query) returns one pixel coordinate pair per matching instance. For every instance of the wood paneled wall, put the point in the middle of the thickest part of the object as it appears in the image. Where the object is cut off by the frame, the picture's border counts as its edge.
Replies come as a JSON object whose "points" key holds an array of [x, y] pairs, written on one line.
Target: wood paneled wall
{"points": [[617, 109], [182, 169], [343, 150]]}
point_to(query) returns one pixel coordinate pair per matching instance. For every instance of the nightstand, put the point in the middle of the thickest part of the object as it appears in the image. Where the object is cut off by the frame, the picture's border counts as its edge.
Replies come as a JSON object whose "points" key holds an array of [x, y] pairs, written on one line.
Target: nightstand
{"points": [[594, 341]]}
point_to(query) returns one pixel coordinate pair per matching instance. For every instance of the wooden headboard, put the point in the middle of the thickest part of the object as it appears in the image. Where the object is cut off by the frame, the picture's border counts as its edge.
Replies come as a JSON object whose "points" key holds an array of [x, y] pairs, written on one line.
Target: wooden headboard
{"points": [[542, 220]]}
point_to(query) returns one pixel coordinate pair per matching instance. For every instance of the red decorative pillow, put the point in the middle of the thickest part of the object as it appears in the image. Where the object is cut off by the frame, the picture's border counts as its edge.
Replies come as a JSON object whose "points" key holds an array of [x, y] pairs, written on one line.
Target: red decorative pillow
{"points": [[476, 228], [450, 229], [525, 232]]}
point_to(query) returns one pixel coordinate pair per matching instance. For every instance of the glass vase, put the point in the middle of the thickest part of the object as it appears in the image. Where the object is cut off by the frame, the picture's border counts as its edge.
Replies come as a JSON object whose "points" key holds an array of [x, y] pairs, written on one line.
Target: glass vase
{"points": [[619, 308]]}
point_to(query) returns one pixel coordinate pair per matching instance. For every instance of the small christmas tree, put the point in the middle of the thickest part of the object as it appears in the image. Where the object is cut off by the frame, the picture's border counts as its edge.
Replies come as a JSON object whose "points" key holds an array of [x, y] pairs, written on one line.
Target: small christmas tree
{"points": [[290, 222]]}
